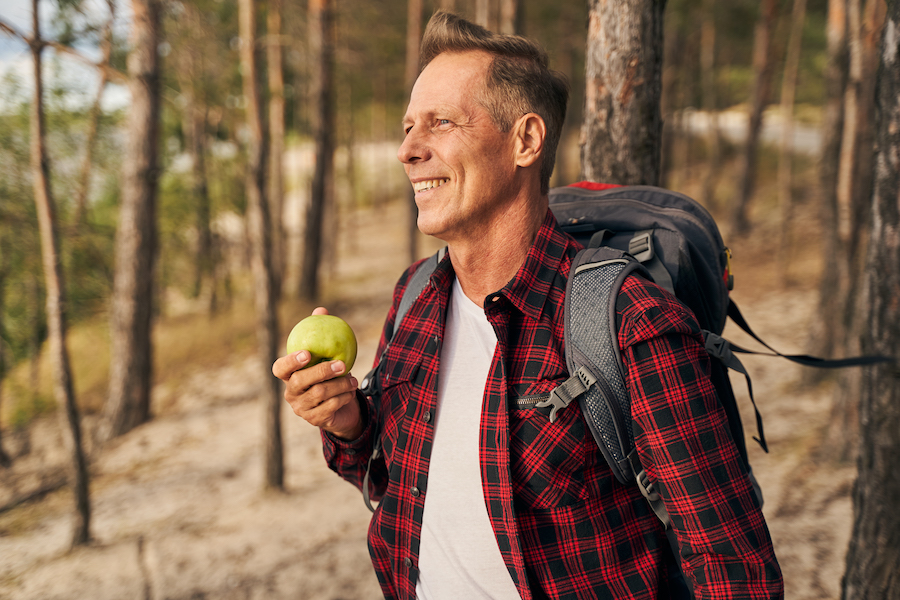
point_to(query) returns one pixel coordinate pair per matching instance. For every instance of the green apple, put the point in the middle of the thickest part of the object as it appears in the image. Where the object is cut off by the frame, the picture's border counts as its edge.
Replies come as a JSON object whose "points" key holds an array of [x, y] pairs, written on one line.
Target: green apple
{"points": [[326, 338]]}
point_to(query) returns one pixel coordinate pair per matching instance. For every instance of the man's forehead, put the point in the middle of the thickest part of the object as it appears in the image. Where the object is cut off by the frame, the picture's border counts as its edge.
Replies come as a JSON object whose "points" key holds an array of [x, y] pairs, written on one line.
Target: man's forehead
{"points": [[451, 79]]}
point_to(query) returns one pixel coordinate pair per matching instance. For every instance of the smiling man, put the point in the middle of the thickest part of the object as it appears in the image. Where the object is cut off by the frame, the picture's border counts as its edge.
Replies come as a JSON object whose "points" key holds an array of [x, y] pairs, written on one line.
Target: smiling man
{"points": [[484, 497]]}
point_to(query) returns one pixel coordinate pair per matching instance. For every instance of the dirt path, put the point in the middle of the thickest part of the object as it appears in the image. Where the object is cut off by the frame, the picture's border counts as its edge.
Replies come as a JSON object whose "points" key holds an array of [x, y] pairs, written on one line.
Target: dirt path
{"points": [[179, 512]]}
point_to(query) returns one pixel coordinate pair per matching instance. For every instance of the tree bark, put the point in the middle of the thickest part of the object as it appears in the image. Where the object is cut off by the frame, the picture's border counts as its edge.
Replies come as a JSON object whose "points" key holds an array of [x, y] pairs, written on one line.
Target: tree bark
{"points": [[763, 63], [275, 70], [785, 162], [259, 228], [128, 404], [321, 41], [622, 125], [856, 173], [63, 388], [873, 558]]}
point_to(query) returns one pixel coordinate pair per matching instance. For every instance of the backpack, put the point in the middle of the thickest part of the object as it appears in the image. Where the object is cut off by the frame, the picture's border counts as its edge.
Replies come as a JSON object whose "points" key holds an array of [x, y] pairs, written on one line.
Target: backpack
{"points": [[663, 236]]}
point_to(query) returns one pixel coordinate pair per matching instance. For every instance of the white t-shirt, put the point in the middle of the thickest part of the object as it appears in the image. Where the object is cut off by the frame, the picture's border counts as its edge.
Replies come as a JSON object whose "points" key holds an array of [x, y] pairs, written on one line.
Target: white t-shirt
{"points": [[459, 556]]}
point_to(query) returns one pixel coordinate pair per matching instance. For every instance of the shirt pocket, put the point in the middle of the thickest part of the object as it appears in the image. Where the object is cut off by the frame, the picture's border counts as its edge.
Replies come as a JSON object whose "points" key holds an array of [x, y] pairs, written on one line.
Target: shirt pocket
{"points": [[547, 459]]}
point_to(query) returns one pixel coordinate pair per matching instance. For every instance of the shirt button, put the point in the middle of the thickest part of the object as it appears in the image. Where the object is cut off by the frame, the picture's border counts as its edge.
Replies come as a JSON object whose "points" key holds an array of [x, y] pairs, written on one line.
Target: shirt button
{"points": [[407, 562], [427, 416], [351, 452], [414, 491]]}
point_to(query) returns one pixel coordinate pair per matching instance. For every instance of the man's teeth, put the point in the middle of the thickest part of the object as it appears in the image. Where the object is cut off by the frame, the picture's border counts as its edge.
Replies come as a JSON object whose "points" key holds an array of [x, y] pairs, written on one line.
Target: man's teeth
{"points": [[421, 186]]}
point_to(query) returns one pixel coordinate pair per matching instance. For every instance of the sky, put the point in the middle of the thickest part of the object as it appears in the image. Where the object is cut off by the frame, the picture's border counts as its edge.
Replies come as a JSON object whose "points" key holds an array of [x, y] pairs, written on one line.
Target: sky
{"points": [[69, 72]]}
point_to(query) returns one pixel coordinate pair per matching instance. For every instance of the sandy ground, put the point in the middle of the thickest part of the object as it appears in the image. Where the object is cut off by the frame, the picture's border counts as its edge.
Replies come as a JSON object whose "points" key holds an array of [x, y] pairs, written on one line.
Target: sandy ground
{"points": [[179, 511]]}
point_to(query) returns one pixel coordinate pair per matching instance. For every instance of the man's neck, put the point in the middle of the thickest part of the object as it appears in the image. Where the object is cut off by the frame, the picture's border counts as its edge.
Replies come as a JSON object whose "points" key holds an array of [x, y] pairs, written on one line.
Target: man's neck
{"points": [[486, 262]]}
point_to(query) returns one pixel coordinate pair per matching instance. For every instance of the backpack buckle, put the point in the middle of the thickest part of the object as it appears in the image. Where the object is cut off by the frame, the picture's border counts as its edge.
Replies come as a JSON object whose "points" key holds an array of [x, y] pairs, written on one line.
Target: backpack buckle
{"points": [[641, 246], [562, 395]]}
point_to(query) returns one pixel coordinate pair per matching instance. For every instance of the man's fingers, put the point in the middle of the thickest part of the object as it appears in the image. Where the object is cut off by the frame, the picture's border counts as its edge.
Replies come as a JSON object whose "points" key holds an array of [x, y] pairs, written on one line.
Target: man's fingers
{"points": [[324, 414], [285, 366]]}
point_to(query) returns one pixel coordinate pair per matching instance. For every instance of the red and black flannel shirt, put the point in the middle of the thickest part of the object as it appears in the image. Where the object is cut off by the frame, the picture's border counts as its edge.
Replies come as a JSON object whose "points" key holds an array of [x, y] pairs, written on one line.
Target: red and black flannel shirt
{"points": [[566, 528]]}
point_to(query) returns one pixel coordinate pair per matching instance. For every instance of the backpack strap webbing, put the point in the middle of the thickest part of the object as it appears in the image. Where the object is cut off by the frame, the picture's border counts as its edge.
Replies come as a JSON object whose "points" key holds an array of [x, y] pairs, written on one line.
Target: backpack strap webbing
{"points": [[801, 359]]}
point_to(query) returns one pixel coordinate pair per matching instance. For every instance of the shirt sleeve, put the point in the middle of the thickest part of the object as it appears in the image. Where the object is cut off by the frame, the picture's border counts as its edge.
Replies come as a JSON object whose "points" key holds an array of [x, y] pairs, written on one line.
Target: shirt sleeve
{"points": [[683, 441]]}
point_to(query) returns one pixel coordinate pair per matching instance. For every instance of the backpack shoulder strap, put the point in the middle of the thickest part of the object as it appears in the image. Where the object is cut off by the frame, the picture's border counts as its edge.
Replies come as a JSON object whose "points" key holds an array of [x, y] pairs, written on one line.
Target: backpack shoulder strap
{"points": [[370, 384], [593, 357]]}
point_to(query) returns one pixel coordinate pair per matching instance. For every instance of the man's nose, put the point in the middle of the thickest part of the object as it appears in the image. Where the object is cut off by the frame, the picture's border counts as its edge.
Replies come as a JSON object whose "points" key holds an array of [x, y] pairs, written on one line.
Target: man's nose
{"points": [[413, 148]]}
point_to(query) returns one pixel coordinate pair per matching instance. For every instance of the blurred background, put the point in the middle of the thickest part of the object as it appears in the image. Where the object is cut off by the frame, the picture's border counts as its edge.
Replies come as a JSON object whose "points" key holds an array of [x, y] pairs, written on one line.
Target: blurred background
{"points": [[184, 180]]}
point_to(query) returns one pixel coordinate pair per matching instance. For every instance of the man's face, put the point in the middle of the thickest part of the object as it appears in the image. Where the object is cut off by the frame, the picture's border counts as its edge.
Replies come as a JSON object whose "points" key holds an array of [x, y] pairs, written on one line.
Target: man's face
{"points": [[461, 166]]}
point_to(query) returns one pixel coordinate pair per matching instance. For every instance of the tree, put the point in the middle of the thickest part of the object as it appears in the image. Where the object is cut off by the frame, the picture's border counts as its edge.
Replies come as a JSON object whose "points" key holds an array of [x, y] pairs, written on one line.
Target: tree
{"points": [[191, 68], [710, 99], [763, 65], [785, 162], [275, 69], [106, 49], [622, 125], [321, 42], [823, 334], [63, 387], [846, 180], [873, 558], [510, 16], [128, 402], [259, 225], [5, 460]]}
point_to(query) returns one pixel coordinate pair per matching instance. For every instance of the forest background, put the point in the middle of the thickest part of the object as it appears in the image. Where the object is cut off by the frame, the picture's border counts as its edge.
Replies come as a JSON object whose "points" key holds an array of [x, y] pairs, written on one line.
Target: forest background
{"points": [[243, 170]]}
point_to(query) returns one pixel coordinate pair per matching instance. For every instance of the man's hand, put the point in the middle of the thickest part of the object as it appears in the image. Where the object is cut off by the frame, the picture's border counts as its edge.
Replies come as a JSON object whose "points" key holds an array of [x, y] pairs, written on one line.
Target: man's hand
{"points": [[321, 394]]}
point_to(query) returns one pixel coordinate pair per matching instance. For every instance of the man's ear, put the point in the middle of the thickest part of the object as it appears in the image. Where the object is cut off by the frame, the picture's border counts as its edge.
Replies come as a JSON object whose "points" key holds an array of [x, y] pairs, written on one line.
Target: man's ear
{"points": [[531, 131]]}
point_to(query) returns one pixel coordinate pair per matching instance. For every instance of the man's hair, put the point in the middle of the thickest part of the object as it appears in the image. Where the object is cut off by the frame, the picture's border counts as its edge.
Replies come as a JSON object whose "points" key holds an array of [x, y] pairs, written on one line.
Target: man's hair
{"points": [[519, 80]]}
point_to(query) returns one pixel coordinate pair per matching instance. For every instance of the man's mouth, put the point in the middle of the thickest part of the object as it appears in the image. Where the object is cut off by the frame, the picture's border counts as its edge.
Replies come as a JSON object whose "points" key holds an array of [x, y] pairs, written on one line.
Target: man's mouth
{"points": [[422, 186]]}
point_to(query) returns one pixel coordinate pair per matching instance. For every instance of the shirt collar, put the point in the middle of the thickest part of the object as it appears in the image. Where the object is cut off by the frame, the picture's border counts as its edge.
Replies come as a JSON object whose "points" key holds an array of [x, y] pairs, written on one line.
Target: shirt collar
{"points": [[547, 265]]}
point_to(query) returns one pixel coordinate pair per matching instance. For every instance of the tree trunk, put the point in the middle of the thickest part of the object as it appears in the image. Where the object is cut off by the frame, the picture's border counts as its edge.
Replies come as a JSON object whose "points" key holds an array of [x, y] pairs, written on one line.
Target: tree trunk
{"points": [[128, 404], [483, 13], [413, 34], [856, 172], [510, 21], [622, 124], [321, 41], [5, 460], [763, 63], [259, 228], [846, 177], [873, 558], [63, 389], [275, 69], [84, 182], [822, 334], [190, 68], [710, 101], [785, 162]]}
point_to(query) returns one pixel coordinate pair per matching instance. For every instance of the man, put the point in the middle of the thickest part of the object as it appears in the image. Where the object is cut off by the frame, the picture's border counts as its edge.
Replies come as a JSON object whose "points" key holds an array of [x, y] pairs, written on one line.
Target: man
{"points": [[481, 498]]}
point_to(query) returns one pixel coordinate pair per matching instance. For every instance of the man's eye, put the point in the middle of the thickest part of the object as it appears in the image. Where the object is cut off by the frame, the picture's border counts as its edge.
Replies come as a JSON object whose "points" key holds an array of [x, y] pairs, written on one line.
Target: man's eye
{"points": [[444, 121]]}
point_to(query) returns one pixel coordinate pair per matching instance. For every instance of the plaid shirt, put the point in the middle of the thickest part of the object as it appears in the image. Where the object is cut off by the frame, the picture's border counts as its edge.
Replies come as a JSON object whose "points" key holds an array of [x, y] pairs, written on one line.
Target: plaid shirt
{"points": [[566, 528]]}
